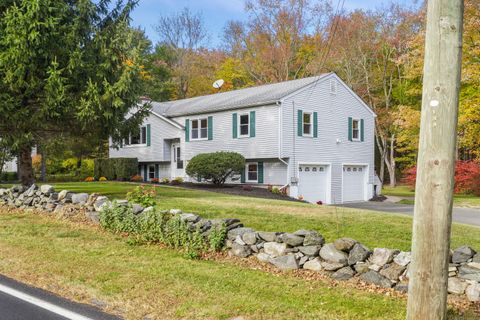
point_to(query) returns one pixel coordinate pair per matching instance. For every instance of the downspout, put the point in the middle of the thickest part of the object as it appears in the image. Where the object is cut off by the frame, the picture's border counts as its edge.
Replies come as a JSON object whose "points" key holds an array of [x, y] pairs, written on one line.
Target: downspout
{"points": [[280, 142]]}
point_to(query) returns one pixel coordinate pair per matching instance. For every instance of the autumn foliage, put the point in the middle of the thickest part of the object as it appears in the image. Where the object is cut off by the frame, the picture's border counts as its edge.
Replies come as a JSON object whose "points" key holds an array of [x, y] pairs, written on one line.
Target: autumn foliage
{"points": [[467, 177]]}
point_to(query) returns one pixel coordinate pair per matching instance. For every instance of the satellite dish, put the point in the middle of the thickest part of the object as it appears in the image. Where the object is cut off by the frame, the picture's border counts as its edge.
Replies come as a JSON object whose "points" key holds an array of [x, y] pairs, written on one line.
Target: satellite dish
{"points": [[218, 84]]}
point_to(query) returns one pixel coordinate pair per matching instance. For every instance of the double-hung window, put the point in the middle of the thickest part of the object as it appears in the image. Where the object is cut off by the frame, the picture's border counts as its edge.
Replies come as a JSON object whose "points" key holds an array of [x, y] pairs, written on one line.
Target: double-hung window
{"points": [[307, 124], [137, 138], [356, 130], [244, 125], [199, 129], [252, 172], [151, 172]]}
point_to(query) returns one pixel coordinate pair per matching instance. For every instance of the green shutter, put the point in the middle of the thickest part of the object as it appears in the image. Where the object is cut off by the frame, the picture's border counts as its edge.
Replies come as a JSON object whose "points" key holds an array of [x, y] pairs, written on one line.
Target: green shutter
{"points": [[210, 128], [300, 123], [315, 124], [157, 173], [252, 124], [260, 172], [242, 175], [234, 126], [187, 130], [149, 140], [350, 121], [362, 130]]}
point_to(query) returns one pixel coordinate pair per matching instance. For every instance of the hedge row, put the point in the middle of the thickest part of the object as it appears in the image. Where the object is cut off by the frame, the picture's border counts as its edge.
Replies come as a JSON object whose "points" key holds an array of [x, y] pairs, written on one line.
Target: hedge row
{"points": [[9, 176], [116, 168]]}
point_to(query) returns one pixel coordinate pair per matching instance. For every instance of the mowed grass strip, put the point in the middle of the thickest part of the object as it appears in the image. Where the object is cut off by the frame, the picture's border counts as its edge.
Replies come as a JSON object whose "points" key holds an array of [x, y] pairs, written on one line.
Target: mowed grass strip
{"points": [[82, 262], [373, 229]]}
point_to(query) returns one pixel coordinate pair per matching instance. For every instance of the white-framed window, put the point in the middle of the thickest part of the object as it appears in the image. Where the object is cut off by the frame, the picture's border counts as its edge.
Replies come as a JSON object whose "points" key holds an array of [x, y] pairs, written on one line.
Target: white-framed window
{"points": [[151, 172], [137, 138], [307, 124], [244, 125], [252, 172], [199, 129], [356, 130]]}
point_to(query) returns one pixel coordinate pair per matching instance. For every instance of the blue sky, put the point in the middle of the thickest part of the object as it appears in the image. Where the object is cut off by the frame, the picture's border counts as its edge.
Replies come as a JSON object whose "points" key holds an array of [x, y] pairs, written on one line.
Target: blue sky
{"points": [[215, 12]]}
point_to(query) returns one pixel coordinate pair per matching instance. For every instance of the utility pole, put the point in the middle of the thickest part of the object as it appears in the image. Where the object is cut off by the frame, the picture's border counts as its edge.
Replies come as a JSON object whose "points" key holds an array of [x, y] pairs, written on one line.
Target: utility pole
{"points": [[427, 297]]}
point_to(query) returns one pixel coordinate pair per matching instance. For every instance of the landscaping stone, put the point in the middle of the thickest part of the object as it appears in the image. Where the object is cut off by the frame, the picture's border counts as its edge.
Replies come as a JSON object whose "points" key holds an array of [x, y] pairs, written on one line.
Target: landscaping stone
{"points": [[331, 254], [314, 265], [288, 262], [303, 260], [312, 238], [46, 189], [462, 254], [263, 257], [79, 198], [343, 274], [241, 251], [291, 239], [275, 249], [301, 233], [137, 209], [250, 238], [476, 258], [456, 286], [344, 244], [62, 194], [309, 250], [403, 258], [393, 271], [361, 267], [240, 241], [359, 253], [469, 273], [332, 266], [232, 234], [175, 211], [189, 217], [473, 292], [382, 256], [31, 191], [376, 278], [267, 236]]}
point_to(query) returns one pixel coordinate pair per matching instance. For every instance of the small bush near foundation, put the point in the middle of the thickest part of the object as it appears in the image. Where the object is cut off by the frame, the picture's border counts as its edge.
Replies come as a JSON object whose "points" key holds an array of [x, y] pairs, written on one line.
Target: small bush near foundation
{"points": [[136, 178], [89, 179], [176, 181], [103, 179], [165, 181], [275, 190], [216, 167]]}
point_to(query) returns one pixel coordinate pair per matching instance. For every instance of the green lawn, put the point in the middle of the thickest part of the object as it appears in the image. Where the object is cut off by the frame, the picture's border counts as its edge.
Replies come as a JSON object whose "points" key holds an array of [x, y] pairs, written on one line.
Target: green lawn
{"points": [[461, 200]]}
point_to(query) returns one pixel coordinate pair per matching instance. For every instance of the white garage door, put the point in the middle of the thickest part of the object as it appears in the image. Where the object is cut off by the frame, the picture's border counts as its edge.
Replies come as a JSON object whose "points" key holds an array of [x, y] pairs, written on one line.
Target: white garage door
{"points": [[354, 183], [312, 183]]}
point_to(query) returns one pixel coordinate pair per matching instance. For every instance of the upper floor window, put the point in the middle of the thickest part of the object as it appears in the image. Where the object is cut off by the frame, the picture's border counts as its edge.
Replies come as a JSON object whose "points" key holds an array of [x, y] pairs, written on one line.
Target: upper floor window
{"points": [[307, 124], [137, 138], [356, 130], [199, 129], [244, 125]]}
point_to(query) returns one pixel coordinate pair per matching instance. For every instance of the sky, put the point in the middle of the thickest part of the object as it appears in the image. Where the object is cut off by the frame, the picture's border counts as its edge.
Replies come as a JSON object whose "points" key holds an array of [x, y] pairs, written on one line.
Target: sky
{"points": [[216, 13]]}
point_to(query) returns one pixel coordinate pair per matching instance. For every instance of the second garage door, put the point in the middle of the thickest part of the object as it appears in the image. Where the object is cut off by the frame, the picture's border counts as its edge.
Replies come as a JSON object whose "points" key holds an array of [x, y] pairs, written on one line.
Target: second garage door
{"points": [[353, 183], [313, 183]]}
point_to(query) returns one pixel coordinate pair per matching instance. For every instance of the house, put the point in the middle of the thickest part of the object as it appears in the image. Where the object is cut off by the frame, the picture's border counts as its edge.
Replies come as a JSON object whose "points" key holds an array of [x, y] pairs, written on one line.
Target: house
{"points": [[10, 166], [312, 136]]}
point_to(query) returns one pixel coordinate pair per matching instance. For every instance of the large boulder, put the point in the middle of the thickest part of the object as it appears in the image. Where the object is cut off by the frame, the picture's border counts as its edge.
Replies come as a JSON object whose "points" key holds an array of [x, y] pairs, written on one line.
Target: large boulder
{"points": [[241, 251], [343, 274], [331, 254], [473, 292], [275, 249], [46, 189], [314, 265], [456, 286], [288, 262], [376, 278], [80, 198], [359, 253], [312, 238], [344, 244], [291, 239], [462, 254]]}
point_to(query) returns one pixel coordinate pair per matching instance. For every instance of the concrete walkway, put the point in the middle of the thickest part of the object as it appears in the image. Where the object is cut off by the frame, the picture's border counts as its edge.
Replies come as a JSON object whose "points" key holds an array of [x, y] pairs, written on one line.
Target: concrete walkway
{"points": [[468, 216]]}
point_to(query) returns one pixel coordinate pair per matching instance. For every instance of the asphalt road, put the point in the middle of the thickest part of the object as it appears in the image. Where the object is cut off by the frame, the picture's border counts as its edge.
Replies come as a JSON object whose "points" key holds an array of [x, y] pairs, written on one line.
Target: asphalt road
{"points": [[468, 216], [21, 302]]}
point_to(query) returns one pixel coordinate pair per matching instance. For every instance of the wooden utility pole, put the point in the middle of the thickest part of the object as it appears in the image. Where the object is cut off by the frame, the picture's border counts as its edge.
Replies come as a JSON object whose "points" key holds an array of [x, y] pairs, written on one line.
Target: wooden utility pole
{"points": [[427, 297]]}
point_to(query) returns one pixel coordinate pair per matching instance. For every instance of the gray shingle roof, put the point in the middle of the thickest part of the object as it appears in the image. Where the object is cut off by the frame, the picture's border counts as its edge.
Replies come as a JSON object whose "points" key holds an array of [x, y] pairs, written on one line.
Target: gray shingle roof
{"points": [[236, 99]]}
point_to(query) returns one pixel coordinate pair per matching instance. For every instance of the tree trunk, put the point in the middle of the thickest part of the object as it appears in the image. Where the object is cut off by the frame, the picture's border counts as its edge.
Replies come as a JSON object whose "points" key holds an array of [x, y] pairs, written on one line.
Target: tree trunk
{"points": [[391, 165], [25, 169]]}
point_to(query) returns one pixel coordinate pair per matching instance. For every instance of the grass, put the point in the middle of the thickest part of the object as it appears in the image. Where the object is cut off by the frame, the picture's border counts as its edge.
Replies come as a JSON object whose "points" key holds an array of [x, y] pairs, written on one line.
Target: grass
{"points": [[460, 200]]}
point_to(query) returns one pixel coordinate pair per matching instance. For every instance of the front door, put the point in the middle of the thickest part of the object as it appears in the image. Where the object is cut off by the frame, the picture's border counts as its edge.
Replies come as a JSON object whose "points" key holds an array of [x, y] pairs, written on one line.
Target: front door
{"points": [[178, 169]]}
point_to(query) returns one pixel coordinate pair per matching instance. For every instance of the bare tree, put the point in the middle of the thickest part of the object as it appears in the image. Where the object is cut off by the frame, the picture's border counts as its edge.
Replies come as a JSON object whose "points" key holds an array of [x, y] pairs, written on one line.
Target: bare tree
{"points": [[185, 33]]}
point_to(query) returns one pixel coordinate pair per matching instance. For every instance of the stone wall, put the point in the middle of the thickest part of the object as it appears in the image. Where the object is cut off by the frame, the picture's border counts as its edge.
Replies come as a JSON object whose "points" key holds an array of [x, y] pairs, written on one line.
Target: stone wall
{"points": [[342, 259]]}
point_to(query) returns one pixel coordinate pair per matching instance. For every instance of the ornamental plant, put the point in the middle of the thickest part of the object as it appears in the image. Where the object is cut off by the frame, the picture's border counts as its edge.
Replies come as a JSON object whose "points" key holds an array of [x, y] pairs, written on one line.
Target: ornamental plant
{"points": [[216, 167], [102, 179], [89, 179], [136, 178], [144, 196]]}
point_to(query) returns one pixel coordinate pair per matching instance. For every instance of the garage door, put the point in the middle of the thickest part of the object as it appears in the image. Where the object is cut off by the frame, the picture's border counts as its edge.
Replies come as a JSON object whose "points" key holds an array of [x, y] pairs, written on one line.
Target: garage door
{"points": [[354, 183], [312, 183]]}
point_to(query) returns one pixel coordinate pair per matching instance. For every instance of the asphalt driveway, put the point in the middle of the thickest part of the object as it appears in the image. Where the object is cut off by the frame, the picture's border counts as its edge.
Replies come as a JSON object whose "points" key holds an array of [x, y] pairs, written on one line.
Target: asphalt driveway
{"points": [[468, 216]]}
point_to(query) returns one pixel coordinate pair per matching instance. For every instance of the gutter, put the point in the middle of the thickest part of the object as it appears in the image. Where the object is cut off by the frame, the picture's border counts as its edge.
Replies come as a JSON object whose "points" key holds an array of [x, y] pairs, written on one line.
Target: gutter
{"points": [[257, 104]]}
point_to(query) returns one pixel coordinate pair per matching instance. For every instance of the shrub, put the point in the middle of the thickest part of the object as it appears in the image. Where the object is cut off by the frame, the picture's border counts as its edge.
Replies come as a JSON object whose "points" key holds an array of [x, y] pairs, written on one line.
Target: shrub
{"points": [[270, 188], [155, 180], [176, 181], [136, 178], [116, 168], [89, 179], [165, 180], [276, 190], [8, 176], [103, 179], [216, 167], [143, 196], [467, 177]]}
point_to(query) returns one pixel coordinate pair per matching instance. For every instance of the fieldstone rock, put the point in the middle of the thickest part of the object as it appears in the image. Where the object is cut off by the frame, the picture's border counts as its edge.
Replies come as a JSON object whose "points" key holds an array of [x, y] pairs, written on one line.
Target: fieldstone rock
{"points": [[376, 278], [403, 258], [291, 239], [303, 260], [332, 266], [122, 202], [175, 211], [31, 191], [331, 254], [301, 232], [382, 256], [361, 267], [250, 238], [476, 258], [343, 274], [469, 273], [359, 253], [241, 251], [263, 257], [93, 216], [393, 271], [79, 198], [136, 208], [46, 189], [274, 249], [462, 254], [267, 236], [473, 292], [312, 238], [189, 217], [62, 194], [310, 250], [288, 262], [240, 241], [456, 286], [344, 244], [232, 234], [314, 265]]}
